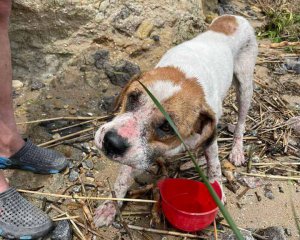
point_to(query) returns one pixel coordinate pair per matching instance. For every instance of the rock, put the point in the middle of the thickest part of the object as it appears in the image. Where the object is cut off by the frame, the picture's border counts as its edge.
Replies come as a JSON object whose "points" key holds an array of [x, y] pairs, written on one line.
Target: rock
{"points": [[280, 189], [101, 57], [231, 236], [268, 192], [251, 182], [36, 85], [295, 124], [155, 38], [288, 232], [255, 159], [76, 189], [292, 64], [56, 136], [231, 127], [274, 233], [62, 231], [88, 164], [107, 103], [122, 72], [73, 176], [17, 84], [144, 29]]}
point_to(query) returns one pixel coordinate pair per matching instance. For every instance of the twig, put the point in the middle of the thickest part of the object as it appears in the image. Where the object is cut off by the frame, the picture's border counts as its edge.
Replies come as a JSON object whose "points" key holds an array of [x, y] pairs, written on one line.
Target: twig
{"points": [[87, 198], [231, 139], [215, 230], [64, 218], [275, 163], [80, 234], [66, 118], [270, 176], [66, 137], [158, 231]]}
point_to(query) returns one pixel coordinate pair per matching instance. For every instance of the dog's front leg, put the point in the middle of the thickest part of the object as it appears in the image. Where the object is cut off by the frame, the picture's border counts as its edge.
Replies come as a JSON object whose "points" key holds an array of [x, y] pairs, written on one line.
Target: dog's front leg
{"points": [[213, 164], [106, 212]]}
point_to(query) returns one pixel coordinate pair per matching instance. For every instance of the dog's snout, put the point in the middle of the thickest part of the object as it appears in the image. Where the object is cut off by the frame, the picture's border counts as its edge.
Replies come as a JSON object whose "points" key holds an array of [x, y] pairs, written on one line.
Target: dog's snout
{"points": [[114, 144]]}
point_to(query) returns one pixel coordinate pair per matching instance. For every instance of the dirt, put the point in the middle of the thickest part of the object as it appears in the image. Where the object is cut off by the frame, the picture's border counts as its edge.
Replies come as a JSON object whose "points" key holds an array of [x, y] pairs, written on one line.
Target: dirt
{"points": [[55, 45]]}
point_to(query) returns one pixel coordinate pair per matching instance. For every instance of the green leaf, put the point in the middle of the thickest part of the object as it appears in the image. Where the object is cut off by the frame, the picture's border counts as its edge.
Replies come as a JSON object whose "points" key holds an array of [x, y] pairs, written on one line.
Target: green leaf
{"points": [[200, 172]]}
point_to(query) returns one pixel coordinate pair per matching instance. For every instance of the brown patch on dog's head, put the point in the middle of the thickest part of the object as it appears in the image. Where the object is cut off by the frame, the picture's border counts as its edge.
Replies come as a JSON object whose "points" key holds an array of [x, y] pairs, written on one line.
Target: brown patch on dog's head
{"points": [[224, 24], [187, 108]]}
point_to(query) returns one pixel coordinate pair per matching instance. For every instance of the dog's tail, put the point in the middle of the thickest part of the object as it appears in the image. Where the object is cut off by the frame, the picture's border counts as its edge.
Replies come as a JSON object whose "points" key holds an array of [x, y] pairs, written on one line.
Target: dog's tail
{"points": [[239, 31]]}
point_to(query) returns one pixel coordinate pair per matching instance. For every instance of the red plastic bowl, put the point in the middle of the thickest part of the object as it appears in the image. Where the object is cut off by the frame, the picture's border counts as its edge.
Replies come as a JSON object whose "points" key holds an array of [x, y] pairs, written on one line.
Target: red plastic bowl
{"points": [[187, 204]]}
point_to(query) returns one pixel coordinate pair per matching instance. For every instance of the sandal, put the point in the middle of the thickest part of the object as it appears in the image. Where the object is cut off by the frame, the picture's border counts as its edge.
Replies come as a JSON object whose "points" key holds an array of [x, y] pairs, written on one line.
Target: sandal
{"points": [[33, 158], [19, 219]]}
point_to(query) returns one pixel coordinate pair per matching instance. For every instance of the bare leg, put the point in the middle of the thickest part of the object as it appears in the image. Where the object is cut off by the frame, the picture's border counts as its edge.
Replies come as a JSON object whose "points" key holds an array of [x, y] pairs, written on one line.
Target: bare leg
{"points": [[10, 140], [106, 212]]}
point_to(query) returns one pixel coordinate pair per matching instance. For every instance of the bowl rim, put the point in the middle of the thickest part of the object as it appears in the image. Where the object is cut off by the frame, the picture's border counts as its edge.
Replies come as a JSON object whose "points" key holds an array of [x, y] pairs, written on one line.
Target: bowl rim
{"points": [[190, 213]]}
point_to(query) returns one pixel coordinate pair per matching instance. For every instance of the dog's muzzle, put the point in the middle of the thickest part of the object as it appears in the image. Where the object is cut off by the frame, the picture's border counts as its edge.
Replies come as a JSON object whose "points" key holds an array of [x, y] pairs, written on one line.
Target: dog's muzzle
{"points": [[114, 145]]}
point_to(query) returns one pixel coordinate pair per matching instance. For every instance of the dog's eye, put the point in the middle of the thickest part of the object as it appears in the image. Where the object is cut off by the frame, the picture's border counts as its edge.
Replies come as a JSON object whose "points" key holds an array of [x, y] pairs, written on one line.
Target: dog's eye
{"points": [[166, 128], [132, 100]]}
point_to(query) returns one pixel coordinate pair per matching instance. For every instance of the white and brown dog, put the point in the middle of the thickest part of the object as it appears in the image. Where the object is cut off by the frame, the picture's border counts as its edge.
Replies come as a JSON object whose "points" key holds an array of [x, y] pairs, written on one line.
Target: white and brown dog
{"points": [[190, 81]]}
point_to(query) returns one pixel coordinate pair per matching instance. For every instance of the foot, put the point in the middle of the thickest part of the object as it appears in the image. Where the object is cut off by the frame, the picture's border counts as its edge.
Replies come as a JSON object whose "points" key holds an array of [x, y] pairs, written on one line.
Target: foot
{"points": [[237, 153], [19, 219], [105, 214], [33, 158]]}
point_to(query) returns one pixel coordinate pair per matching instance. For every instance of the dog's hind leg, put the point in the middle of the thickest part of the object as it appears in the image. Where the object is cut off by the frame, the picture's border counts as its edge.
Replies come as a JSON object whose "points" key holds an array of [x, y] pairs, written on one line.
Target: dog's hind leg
{"points": [[243, 76]]}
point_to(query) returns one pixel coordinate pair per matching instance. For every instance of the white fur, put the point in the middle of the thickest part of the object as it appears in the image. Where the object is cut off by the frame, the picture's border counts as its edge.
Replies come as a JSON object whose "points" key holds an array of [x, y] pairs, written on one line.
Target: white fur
{"points": [[163, 90]]}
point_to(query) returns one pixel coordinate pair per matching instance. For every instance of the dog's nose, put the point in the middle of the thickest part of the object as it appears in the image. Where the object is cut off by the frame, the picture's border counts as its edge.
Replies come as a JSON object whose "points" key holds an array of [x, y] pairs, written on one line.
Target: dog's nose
{"points": [[114, 144]]}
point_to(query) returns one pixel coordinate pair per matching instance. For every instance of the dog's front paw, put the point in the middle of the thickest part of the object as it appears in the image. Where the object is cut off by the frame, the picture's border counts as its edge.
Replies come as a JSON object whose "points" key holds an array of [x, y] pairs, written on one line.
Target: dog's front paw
{"points": [[105, 214], [237, 154]]}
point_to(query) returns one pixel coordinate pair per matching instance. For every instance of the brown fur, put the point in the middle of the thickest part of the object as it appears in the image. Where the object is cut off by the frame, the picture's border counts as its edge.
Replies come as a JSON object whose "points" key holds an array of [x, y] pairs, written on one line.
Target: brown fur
{"points": [[187, 108], [225, 24]]}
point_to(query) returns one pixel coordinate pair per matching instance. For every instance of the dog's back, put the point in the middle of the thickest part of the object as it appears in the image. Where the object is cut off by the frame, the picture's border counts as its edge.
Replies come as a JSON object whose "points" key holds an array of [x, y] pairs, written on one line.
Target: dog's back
{"points": [[211, 56]]}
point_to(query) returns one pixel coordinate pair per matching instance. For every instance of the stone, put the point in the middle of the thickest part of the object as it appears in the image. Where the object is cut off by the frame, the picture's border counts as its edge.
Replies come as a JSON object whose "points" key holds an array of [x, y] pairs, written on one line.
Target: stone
{"points": [[268, 192], [73, 176], [101, 57], [107, 103], [88, 164], [36, 85], [231, 236], [144, 29], [17, 84], [274, 233], [122, 72], [62, 231], [76, 189]]}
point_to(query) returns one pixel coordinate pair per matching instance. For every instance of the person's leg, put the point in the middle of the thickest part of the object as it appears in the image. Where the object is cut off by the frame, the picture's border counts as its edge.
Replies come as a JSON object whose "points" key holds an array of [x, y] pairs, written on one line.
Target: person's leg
{"points": [[14, 151], [10, 140]]}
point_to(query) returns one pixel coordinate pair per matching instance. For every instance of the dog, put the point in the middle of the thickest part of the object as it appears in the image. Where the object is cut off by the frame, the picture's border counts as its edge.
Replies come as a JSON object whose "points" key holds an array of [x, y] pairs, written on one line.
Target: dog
{"points": [[191, 81]]}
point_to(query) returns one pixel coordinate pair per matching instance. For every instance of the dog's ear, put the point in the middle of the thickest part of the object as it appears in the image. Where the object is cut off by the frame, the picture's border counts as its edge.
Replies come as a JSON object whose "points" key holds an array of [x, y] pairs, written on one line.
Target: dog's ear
{"points": [[206, 126], [119, 99]]}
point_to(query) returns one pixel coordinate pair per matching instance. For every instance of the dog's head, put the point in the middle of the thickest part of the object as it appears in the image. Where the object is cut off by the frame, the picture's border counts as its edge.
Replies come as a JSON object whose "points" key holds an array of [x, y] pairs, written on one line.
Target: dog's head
{"points": [[140, 132]]}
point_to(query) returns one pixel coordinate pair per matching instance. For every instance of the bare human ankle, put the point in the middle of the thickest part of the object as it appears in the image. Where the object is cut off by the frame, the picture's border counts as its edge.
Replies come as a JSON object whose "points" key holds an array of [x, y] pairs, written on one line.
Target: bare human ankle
{"points": [[10, 142]]}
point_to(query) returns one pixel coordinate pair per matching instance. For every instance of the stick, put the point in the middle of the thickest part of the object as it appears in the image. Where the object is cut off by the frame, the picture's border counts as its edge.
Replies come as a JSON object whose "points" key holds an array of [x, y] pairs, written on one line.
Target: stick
{"points": [[274, 163], [87, 198], [64, 218], [270, 176], [231, 139], [66, 118], [158, 231], [65, 137]]}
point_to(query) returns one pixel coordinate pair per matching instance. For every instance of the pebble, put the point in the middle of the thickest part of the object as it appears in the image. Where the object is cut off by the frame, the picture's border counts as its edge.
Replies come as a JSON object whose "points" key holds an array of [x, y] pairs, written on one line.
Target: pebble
{"points": [[231, 236], [17, 84], [274, 233], [88, 164], [73, 176], [37, 85], [280, 189], [144, 29], [76, 189], [268, 193], [62, 231], [101, 57], [107, 103], [122, 72]]}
